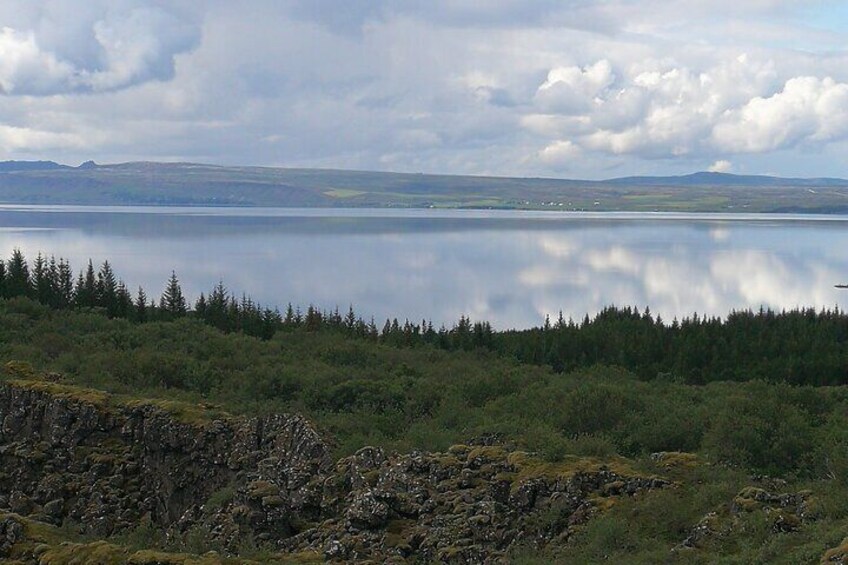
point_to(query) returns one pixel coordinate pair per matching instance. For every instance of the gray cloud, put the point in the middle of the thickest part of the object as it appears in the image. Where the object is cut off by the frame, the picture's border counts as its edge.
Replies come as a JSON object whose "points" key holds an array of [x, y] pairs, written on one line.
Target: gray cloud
{"points": [[63, 47]]}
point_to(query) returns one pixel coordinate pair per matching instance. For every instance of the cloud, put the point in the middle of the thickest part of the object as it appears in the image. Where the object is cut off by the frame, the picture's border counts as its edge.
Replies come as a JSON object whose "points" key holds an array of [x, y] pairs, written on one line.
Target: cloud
{"points": [[573, 89], [806, 110], [545, 88], [560, 152], [24, 67], [121, 44], [721, 166], [16, 138], [659, 110]]}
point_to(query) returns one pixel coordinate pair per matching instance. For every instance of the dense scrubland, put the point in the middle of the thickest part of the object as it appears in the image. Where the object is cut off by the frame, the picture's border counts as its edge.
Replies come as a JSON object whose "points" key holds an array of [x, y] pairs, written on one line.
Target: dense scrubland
{"points": [[756, 397]]}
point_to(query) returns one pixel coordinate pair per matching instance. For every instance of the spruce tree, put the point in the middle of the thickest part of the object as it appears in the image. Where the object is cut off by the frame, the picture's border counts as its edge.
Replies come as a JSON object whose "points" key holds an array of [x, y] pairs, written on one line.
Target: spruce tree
{"points": [[123, 301], [141, 306], [200, 307], [216, 308], [107, 289], [17, 275], [172, 301], [42, 289], [64, 285], [85, 293]]}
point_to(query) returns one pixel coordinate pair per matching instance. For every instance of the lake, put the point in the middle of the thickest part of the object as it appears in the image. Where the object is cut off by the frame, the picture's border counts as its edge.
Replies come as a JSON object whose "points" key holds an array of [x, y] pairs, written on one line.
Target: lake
{"points": [[508, 267]]}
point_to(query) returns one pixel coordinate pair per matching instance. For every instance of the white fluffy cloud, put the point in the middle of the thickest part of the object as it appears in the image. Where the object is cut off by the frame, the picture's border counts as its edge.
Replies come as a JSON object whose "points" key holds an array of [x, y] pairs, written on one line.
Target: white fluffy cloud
{"points": [[806, 110], [721, 166], [573, 89], [736, 106]]}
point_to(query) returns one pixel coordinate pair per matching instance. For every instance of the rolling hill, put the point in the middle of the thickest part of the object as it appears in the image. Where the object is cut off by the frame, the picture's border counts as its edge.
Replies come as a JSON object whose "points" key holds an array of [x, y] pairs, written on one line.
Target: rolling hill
{"points": [[149, 183]]}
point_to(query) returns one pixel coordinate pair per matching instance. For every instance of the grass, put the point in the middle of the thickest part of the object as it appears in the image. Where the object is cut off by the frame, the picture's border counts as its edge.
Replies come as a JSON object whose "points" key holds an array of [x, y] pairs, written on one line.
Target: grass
{"points": [[185, 412], [344, 193]]}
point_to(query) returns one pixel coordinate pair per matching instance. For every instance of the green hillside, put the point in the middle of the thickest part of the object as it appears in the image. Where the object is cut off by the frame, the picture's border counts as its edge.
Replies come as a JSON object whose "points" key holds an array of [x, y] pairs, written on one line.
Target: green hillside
{"points": [[192, 184]]}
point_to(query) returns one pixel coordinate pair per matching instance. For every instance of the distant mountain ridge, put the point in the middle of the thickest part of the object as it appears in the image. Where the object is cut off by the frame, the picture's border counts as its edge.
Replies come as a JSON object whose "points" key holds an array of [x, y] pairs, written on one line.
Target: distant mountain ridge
{"points": [[11, 166], [192, 184], [700, 178], [705, 178]]}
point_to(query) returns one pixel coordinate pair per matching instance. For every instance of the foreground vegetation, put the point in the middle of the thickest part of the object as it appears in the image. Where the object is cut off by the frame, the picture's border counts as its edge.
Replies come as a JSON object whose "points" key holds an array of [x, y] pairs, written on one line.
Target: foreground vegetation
{"points": [[758, 398], [363, 392]]}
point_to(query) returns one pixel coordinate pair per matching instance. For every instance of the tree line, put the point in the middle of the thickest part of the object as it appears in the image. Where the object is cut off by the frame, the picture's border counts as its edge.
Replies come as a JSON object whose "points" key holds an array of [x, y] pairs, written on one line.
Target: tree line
{"points": [[52, 282], [800, 346]]}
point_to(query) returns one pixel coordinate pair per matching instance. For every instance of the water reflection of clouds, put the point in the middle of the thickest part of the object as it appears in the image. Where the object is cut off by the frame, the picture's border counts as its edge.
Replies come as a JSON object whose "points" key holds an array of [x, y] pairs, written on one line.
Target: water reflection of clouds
{"points": [[689, 274], [511, 276], [720, 234]]}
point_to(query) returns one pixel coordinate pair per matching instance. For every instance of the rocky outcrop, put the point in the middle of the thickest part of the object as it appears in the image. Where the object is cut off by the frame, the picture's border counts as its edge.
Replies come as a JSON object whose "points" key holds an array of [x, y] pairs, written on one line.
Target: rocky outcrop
{"points": [[110, 465], [68, 453], [784, 512], [469, 505]]}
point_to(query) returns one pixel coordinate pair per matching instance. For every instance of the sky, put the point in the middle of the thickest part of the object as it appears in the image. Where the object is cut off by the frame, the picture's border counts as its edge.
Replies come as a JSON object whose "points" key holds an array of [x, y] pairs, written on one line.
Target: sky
{"points": [[553, 88]]}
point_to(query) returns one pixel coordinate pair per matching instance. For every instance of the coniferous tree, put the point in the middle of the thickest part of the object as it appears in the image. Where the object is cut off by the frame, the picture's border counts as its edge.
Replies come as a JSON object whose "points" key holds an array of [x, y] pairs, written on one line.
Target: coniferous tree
{"points": [[64, 289], [350, 320], [123, 301], [141, 306], [17, 275], [289, 321], [42, 289], [313, 320], [107, 289], [216, 308], [53, 281], [373, 333], [85, 293], [200, 307], [172, 302]]}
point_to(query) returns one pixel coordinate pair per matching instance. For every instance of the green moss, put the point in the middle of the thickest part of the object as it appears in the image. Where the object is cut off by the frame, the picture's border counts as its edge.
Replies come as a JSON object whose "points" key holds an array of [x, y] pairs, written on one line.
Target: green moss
{"points": [[298, 558], [506, 476], [446, 460], [19, 370], [148, 557], [397, 532], [459, 449], [487, 453], [603, 503], [838, 554], [220, 498], [528, 467], [747, 499], [185, 412], [100, 552], [677, 460], [371, 477], [68, 392], [262, 489], [273, 501]]}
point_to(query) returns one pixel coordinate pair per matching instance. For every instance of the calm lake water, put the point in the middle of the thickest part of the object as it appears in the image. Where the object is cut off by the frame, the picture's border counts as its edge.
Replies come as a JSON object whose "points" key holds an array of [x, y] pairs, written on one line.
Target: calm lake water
{"points": [[510, 268]]}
